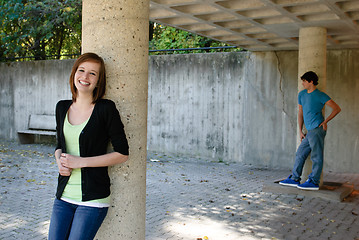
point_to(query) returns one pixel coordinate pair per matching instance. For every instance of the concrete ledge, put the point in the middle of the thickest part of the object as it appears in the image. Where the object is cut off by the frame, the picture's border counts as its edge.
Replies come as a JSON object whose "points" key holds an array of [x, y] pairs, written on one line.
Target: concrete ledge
{"points": [[330, 190]]}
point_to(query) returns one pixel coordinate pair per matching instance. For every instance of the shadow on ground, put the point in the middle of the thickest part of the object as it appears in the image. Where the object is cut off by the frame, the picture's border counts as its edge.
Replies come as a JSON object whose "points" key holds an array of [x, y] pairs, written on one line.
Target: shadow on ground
{"points": [[187, 198], [193, 198]]}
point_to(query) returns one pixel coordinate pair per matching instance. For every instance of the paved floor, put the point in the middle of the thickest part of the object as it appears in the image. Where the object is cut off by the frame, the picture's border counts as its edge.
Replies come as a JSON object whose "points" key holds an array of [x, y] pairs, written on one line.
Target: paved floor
{"points": [[186, 199]]}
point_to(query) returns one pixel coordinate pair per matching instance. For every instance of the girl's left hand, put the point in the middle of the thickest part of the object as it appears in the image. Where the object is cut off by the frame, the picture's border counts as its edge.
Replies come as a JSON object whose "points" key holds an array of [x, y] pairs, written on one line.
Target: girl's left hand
{"points": [[70, 161]]}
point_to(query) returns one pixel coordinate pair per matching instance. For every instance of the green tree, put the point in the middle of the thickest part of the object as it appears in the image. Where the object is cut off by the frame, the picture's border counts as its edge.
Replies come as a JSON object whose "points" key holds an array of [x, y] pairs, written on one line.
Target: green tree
{"points": [[36, 29], [165, 37], [39, 28]]}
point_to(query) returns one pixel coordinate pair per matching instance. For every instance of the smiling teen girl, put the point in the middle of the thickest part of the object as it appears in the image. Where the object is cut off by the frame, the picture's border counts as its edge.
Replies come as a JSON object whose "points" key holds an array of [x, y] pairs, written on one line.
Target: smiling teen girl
{"points": [[85, 125]]}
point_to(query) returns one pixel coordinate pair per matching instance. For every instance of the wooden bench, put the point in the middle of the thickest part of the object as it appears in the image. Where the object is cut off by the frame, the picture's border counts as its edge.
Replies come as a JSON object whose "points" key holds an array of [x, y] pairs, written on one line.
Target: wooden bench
{"points": [[38, 125]]}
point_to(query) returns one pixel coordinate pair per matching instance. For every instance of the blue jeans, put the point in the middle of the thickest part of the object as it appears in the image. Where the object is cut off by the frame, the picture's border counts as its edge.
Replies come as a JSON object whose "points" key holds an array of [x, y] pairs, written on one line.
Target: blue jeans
{"points": [[71, 221], [312, 144]]}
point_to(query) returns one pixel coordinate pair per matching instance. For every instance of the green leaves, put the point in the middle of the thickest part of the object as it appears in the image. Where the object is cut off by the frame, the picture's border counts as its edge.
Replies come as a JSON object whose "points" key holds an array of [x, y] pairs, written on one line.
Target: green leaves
{"points": [[165, 37], [39, 28], [33, 28]]}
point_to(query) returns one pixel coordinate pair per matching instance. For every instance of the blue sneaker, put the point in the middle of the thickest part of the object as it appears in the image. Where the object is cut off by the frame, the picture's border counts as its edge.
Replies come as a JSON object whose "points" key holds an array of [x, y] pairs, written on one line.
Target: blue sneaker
{"points": [[289, 182], [308, 185]]}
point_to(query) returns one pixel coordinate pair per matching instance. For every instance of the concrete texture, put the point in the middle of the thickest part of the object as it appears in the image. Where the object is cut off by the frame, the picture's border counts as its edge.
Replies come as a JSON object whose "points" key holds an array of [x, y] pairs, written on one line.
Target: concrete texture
{"points": [[125, 52], [31, 88], [313, 52], [187, 198], [225, 106], [342, 140], [238, 107], [261, 25]]}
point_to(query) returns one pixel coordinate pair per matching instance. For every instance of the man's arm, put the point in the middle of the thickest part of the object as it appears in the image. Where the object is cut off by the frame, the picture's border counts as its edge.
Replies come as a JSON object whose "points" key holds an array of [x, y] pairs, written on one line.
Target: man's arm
{"points": [[335, 110], [300, 121]]}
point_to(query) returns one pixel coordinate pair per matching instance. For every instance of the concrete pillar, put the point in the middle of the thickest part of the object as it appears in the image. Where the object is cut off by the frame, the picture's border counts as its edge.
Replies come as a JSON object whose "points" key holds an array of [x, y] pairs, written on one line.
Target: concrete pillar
{"points": [[312, 57], [117, 30]]}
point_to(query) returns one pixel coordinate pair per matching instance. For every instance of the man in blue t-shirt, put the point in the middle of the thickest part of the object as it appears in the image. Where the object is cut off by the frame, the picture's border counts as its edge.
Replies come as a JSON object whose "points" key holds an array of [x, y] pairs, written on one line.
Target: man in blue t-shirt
{"points": [[310, 105]]}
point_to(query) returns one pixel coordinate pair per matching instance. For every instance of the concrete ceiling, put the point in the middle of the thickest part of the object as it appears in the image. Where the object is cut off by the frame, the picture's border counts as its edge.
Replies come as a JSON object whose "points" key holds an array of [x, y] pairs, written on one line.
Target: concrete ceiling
{"points": [[262, 25]]}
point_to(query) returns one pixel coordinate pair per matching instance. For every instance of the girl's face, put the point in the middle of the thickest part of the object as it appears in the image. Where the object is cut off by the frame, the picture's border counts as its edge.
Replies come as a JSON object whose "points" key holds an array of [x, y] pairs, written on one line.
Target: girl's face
{"points": [[86, 76]]}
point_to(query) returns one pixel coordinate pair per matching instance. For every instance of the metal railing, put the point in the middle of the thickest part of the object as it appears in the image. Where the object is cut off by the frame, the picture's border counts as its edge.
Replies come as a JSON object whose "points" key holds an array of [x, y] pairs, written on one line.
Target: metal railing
{"points": [[151, 51]]}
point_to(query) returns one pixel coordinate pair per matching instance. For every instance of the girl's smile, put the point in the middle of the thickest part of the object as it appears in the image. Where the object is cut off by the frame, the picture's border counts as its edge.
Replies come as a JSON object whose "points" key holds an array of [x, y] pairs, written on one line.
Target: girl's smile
{"points": [[86, 76]]}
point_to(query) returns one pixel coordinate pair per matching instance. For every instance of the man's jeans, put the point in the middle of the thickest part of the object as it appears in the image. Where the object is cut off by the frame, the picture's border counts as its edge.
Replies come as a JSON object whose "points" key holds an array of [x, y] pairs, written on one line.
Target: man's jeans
{"points": [[313, 143], [71, 221]]}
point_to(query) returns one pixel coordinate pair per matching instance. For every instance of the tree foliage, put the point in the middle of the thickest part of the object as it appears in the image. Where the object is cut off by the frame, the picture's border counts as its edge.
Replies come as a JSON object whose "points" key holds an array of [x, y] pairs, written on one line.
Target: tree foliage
{"points": [[39, 28], [165, 37]]}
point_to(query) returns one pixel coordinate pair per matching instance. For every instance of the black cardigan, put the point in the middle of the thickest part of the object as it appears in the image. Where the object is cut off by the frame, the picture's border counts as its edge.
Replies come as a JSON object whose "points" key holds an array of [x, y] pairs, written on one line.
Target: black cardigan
{"points": [[104, 125]]}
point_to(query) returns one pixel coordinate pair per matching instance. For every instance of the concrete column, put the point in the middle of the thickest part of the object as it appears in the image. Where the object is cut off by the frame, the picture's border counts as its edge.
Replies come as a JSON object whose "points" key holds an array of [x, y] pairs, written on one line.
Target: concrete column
{"points": [[312, 57], [117, 30]]}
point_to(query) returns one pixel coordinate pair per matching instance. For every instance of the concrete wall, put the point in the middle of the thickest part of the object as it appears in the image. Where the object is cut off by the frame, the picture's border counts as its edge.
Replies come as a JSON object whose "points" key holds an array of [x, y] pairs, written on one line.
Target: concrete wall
{"points": [[342, 140], [225, 106], [230, 106], [30, 88]]}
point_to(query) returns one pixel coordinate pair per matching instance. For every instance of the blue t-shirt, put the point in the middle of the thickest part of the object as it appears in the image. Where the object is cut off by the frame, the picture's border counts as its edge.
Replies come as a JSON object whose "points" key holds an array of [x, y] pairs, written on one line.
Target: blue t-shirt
{"points": [[312, 104]]}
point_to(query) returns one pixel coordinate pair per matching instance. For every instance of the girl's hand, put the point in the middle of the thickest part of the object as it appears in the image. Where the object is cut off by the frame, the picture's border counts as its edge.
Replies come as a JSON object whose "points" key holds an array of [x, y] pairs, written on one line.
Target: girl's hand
{"points": [[70, 161], [64, 171]]}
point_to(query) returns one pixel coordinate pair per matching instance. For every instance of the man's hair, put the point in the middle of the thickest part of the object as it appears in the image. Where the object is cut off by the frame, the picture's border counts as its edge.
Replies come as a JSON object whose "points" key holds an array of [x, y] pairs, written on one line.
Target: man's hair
{"points": [[99, 91], [310, 77]]}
